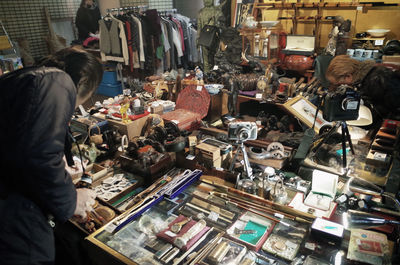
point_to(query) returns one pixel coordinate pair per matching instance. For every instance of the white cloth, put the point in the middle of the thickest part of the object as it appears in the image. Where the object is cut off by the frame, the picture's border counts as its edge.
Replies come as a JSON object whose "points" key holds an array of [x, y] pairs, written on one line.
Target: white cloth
{"points": [[177, 41]]}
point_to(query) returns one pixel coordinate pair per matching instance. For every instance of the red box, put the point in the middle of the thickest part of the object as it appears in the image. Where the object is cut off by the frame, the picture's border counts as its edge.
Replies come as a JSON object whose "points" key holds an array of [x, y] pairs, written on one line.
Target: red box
{"points": [[191, 107]]}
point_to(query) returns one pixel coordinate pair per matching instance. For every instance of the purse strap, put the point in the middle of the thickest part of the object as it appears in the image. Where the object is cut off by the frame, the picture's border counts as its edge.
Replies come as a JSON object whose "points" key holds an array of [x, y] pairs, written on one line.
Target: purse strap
{"points": [[94, 126]]}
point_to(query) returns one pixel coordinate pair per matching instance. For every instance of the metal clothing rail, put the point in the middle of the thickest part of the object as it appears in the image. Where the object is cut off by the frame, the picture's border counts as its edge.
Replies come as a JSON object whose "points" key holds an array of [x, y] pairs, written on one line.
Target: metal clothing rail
{"points": [[127, 9]]}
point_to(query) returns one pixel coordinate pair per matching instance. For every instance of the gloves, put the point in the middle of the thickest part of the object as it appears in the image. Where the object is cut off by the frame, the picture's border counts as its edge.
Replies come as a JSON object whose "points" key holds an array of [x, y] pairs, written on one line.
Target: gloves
{"points": [[84, 202]]}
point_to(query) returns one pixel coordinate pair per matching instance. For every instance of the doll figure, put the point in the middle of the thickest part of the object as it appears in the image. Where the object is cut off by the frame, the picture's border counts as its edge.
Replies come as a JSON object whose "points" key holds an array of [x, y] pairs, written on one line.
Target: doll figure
{"points": [[125, 104]]}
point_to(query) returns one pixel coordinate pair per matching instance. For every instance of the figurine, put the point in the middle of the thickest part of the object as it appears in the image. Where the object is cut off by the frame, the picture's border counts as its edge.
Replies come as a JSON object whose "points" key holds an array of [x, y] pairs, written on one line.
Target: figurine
{"points": [[199, 73], [209, 15], [125, 104]]}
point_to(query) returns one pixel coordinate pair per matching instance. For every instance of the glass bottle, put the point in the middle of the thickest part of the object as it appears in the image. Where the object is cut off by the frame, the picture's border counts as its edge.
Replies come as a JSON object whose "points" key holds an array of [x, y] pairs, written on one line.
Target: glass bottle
{"points": [[257, 45], [265, 48]]}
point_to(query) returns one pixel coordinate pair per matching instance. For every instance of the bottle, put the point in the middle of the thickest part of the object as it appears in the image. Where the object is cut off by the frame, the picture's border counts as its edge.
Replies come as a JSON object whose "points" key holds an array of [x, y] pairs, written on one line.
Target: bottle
{"points": [[257, 45], [265, 48]]}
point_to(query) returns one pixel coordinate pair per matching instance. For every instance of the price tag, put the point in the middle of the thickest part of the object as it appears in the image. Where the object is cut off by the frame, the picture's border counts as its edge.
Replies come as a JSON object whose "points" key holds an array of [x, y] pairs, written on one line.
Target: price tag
{"points": [[281, 216], [268, 32], [110, 228], [213, 216], [290, 244], [190, 157], [259, 95], [310, 246], [258, 123], [215, 67], [359, 8], [199, 88], [171, 234], [239, 1], [379, 42]]}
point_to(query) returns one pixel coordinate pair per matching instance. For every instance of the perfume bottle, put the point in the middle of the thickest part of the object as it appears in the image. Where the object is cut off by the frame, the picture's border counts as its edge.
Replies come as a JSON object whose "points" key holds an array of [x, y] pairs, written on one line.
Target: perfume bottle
{"points": [[265, 48], [257, 45]]}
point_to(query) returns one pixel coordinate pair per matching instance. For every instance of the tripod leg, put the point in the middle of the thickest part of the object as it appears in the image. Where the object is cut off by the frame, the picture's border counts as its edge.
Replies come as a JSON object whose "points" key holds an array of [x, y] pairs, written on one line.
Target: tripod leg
{"points": [[247, 167], [234, 158], [346, 129], [326, 137], [344, 145]]}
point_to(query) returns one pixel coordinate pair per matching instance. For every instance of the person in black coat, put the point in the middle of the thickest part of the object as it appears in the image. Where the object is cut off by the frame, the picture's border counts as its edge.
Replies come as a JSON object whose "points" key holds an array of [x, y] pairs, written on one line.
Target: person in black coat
{"points": [[37, 104], [87, 19], [378, 84]]}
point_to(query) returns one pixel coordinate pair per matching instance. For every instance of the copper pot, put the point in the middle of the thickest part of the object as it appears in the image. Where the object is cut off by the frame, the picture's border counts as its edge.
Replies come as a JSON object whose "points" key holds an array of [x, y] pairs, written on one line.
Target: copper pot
{"points": [[299, 63]]}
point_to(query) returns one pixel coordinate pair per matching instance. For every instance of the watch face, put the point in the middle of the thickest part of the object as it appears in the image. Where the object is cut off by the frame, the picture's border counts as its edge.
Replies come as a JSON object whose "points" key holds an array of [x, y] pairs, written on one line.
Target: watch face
{"points": [[261, 84]]}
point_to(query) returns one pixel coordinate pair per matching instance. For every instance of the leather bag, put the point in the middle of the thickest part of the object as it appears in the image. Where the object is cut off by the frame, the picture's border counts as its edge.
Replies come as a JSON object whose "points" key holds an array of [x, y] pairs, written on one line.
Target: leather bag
{"points": [[209, 36]]}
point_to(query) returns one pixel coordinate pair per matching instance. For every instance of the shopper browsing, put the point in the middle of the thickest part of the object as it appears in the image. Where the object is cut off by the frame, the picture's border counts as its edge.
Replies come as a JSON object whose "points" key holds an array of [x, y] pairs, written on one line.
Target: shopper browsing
{"points": [[379, 85], [36, 106]]}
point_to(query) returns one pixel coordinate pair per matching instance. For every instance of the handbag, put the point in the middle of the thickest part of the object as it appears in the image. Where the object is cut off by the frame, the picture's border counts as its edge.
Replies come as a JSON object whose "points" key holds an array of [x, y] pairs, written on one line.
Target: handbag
{"points": [[95, 138], [209, 36]]}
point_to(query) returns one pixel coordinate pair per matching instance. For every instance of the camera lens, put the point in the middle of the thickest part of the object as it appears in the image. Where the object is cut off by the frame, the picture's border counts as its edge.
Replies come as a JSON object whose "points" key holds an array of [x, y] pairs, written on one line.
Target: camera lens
{"points": [[244, 134]]}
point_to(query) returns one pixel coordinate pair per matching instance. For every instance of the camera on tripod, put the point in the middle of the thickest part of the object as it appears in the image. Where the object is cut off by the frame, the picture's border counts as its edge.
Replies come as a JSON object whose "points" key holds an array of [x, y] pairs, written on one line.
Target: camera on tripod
{"points": [[242, 131], [341, 105]]}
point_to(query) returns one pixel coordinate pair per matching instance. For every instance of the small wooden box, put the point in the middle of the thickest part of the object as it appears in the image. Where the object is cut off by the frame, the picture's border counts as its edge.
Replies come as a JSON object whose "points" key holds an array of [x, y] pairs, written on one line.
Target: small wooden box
{"points": [[208, 151], [131, 129]]}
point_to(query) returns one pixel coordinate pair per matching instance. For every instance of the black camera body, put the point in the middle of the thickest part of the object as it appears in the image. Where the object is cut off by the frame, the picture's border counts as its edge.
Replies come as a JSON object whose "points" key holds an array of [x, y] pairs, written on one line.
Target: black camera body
{"points": [[341, 105]]}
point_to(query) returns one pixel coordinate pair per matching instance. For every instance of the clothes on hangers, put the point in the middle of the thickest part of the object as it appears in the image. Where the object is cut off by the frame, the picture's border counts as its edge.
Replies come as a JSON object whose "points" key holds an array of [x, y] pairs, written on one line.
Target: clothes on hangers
{"points": [[149, 42], [113, 44]]}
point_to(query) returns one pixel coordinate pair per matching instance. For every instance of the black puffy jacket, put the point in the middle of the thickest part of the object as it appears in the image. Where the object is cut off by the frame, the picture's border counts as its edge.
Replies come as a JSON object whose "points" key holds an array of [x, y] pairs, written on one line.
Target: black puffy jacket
{"points": [[36, 105]]}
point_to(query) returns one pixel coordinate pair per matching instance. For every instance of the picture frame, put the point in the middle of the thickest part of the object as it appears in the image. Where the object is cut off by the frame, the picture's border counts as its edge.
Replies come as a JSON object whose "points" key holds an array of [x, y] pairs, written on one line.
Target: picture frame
{"points": [[304, 110]]}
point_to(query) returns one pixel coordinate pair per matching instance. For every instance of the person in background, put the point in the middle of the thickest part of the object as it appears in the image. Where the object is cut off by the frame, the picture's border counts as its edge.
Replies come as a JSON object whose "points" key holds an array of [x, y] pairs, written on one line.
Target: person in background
{"points": [[378, 84], [87, 19], [35, 189]]}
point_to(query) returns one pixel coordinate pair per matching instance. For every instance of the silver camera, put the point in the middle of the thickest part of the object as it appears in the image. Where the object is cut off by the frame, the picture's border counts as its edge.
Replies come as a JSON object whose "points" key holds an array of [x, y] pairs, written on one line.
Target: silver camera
{"points": [[242, 131]]}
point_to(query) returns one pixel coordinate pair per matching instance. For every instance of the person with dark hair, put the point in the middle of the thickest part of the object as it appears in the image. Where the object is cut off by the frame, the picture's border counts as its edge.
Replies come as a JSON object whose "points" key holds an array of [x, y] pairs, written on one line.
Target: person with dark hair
{"points": [[378, 84], [87, 19], [37, 104]]}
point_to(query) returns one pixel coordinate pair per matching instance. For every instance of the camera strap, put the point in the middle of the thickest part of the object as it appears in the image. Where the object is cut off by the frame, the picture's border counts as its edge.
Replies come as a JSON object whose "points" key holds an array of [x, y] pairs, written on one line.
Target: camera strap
{"points": [[316, 112], [307, 139]]}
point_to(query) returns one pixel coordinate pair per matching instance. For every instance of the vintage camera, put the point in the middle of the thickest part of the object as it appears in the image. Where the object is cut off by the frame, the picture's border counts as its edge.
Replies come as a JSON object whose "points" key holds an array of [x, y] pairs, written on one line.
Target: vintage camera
{"points": [[242, 131], [341, 105]]}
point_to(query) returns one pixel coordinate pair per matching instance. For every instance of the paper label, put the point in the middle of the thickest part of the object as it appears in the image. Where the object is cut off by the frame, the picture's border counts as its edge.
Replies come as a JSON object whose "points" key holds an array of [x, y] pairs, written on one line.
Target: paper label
{"points": [[110, 228], [213, 216], [310, 246], [281, 216], [215, 67], [259, 95], [199, 88], [171, 234], [190, 157], [379, 156], [379, 42], [290, 244]]}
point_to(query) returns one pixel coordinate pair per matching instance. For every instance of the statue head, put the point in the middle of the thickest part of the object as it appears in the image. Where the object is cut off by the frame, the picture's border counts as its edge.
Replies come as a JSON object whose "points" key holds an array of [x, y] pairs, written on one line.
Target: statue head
{"points": [[208, 3]]}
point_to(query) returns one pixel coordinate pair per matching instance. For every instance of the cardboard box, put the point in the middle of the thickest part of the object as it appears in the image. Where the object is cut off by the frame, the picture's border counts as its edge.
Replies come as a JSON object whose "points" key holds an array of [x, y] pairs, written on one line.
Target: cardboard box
{"points": [[157, 109], [299, 44], [208, 151], [131, 129]]}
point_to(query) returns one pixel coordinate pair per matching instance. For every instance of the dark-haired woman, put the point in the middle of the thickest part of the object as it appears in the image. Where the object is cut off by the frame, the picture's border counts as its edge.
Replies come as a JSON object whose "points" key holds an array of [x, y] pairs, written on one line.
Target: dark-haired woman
{"points": [[37, 104], [87, 19]]}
